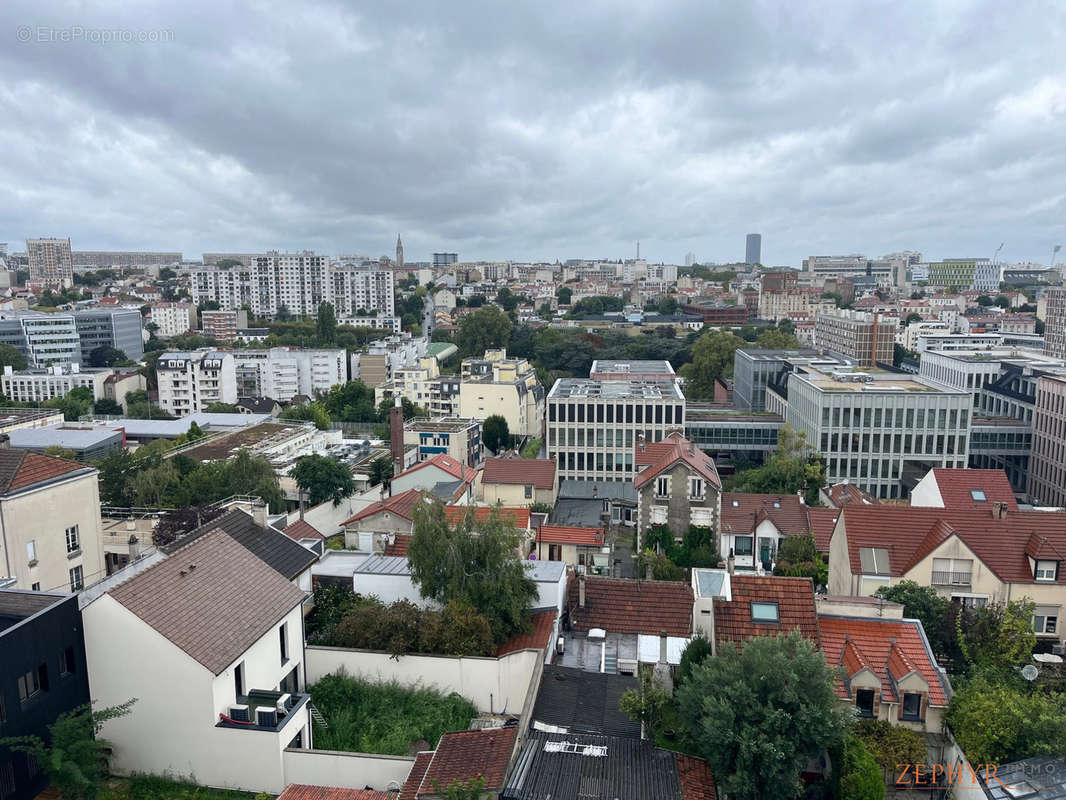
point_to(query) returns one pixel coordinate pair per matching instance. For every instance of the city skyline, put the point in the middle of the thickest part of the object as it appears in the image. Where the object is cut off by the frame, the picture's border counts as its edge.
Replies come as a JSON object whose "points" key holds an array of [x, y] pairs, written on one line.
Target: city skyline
{"points": [[846, 130]]}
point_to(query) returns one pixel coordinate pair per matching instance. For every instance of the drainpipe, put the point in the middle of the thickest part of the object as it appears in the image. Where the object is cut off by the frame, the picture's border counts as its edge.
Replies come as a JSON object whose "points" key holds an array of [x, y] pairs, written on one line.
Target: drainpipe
{"points": [[7, 550]]}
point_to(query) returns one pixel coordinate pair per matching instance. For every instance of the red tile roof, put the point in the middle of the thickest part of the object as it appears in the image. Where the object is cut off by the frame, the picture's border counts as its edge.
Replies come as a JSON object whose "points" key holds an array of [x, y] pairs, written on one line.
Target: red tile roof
{"points": [[464, 755], [795, 608], [843, 493], [22, 468], [518, 516], [297, 791], [398, 547], [742, 513], [822, 521], [679, 449], [955, 486], [521, 471], [538, 637], [650, 453], [414, 778], [874, 648], [302, 529], [564, 534], [697, 783], [400, 504], [623, 605], [445, 463]]}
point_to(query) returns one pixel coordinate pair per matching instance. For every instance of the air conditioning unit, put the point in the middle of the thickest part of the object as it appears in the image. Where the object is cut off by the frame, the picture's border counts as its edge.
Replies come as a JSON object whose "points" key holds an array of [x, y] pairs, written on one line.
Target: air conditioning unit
{"points": [[267, 717], [284, 703], [239, 713], [1058, 650]]}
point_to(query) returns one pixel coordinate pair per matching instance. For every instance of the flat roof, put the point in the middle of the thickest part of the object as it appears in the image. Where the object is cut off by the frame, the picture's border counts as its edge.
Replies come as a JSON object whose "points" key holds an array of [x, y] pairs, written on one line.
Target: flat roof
{"points": [[248, 437], [169, 428], [588, 388], [757, 354], [639, 366], [440, 424], [869, 380], [384, 565], [67, 438]]}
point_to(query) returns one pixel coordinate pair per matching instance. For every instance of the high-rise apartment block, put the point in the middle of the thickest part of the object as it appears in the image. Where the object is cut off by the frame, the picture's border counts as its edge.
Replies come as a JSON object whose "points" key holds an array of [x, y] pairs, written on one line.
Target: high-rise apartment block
{"points": [[101, 259], [173, 319], [50, 263], [753, 249], [355, 289], [1047, 462], [864, 338], [1055, 323], [281, 373], [444, 259], [222, 326], [190, 382]]}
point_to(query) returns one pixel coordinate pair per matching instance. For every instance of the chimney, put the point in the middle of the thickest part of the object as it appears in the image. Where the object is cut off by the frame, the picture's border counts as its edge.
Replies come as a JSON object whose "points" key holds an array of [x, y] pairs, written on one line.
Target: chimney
{"points": [[259, 513], [396, 435], [581, 590], [692, 448], [662, 648], [731, 562], [648, 573], [999, 510], [640, 441], [5, 441], [135, 548]]}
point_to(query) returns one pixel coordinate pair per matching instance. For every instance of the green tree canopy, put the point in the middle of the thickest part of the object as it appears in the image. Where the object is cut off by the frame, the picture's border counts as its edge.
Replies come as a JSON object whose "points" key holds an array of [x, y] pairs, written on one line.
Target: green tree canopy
{"points": [[487, 328], [860, 775], [758, 715], [74, 404], [326, 324], [771, 339], [222, 408], [104, 356], [309, 412], [564, 294], [10, 357], [997, 637], [712, 358], [798, 557], [495, 434], [936, 614], [794, 467], [107, 407], [323, 478]]}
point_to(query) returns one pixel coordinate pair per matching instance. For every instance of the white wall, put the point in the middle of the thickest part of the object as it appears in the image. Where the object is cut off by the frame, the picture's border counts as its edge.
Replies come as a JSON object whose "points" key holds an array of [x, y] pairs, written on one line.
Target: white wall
{"points": [[331, 768], [491, 684], [390, 588], [926, 492]]}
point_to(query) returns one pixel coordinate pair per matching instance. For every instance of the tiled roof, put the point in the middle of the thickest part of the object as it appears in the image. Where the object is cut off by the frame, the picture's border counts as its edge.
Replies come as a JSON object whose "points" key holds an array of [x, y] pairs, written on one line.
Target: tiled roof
{"points": [[822, 521], [398, 547], [843, 493], [521, 471], [400, 504], [22, 468], [742, 513], [297, 791], [301, 529], [795, 608], [518, 516], [622, 605], [956, 484], [447, 464], [697, 783], [884, 646], [212, 598], [288, 557], [650, 453], [539, 636], [463, 755], [678, 448], [414, 778], [909, 534], [562, 534]]}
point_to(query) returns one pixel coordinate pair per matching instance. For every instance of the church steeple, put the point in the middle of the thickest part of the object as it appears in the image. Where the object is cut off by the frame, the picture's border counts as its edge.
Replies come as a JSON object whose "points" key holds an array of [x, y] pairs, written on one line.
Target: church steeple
{"points": [[399, 251]]}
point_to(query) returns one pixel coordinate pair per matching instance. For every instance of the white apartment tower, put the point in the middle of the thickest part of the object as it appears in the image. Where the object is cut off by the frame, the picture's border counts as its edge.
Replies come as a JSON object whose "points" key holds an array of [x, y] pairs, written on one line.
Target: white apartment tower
{"points": [[190, 382], [281, 373]]}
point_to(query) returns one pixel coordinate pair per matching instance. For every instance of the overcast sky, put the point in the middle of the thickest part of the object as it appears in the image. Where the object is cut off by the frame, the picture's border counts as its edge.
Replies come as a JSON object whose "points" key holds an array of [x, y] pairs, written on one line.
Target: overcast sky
{"points": [[538, 130]]}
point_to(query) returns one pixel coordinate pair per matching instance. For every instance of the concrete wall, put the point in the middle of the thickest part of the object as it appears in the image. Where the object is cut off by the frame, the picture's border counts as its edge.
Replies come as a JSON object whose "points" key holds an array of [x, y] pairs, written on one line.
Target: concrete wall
{"points": [[491, 684], [390, 588], [332, 768]]}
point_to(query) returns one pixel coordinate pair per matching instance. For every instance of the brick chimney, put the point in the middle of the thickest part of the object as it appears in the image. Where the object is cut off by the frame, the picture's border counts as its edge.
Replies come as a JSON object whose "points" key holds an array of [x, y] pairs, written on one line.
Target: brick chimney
{"points": [[999, 510], [396, 436]]}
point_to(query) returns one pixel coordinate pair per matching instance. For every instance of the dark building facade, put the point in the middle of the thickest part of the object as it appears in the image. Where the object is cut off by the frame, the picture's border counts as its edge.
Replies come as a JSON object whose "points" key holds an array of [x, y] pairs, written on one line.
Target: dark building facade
{"points": [[42, 675]]}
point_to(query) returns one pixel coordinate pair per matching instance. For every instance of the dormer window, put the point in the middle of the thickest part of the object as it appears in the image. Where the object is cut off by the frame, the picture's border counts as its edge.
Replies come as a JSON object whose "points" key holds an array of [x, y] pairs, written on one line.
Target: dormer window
{"points": [[1046, 570], [912, 707], [864, 702], [978, 495]]}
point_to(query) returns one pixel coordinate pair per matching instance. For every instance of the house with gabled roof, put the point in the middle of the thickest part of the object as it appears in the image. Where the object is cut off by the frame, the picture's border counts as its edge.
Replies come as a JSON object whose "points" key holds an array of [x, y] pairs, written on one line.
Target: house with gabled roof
{"points": [[371, 529], [518, 481], [964, 489], [679, 488], [578, 547], [753, 526], [460, 757], [442, 476]]}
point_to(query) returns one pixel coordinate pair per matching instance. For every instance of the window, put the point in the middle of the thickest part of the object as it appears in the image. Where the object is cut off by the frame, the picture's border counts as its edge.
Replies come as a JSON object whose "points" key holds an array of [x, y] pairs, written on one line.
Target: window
{"points": [[238, 680], [874, 561], [73, 542], [742, 545], [695, 487], [529, 490], [912, 707], [952, 571], [1045, 623], [66, 662], [864, 701], [29, 684], [764, 612], [77, 578], [978, 495], [1046, 570], [31, 552], [662, 487], [283, 639], [36, 587]]}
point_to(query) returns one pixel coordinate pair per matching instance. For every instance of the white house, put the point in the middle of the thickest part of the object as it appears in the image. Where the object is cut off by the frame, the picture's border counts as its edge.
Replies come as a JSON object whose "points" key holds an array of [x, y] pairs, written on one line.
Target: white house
{"points": [[210, 641], [447, 478]]}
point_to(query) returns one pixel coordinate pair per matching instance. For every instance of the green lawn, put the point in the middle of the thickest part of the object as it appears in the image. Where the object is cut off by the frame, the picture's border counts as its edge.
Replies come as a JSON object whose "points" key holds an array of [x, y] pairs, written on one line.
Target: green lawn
{"points": [[384, 718], [152, 787]]}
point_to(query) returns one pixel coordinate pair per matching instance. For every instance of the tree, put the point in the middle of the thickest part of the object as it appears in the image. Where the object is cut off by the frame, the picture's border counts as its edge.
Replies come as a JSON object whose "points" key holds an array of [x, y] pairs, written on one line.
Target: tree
{"points": [[997, 637], [984, 300], [175, 524], [222, 408], [107, 407], [662, 568], [10, 357], [309, 412], [487, 328], [645, 704], [75, 756], [323, 478], [564, 294], [695, 653], [758, 715], [495, 434], [74, 404], [473, 562], [771, 339], [667, 305], [794, 467], [912, 318], [860, 776], [1002, 302], [326, 324], [936, 614], [712, 358], [891, 745], [104, 356], [380, 470], [798, 557]]}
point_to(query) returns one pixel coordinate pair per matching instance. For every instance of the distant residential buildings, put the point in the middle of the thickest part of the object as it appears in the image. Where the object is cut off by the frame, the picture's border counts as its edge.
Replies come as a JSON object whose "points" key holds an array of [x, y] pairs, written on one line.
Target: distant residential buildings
{"points": [[502, 386], [458, 438], [384, 356], [281, 373], [190, 382], [102, 259], [444, 259], [1047, 467], [173, 319], [222, 326], [1055, 322], [50, 264], [867, 339]]}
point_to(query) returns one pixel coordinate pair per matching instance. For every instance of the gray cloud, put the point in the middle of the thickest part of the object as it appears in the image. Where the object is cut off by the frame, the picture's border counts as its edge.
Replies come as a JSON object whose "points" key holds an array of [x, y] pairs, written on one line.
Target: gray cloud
{"points": [[545, 130]]}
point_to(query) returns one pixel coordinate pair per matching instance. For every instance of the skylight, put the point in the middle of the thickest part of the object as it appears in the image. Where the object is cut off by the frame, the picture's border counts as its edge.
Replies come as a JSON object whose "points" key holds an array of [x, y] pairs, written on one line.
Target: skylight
{"points": [[764, 612], [978, 495]]}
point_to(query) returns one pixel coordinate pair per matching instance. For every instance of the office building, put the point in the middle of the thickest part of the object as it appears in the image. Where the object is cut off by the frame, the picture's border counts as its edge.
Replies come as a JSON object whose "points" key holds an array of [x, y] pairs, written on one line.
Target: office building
{"points": [[281, 373], [867, 339], [1055, 322], [884, 272], [43, 339], [190, 382], [173, 319], [444, 259], [102, 259], [961, 274], [50, 263], [593, 426], [753, 249], [1047, 464], [222, 326], [116, 328], [754, 370], [36, 386]]}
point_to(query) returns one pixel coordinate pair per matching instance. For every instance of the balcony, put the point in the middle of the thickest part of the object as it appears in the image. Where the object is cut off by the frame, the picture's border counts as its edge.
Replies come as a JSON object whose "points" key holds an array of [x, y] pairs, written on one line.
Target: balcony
{"points": [[951, 578], [256, 699]]}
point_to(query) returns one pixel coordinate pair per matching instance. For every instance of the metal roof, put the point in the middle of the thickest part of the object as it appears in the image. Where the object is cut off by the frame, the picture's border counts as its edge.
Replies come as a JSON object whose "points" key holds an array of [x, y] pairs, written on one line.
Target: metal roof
{"points": [[384, 565]]}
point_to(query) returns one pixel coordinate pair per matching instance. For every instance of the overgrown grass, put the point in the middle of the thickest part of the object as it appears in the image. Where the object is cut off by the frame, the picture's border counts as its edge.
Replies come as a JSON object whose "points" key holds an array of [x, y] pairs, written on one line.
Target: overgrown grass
{"points": [[154, 787], [384, 718]]}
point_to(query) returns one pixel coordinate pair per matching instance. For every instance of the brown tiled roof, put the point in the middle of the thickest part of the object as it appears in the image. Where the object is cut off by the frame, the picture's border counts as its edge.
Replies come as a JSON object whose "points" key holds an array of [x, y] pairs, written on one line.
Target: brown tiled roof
{"points": [[884, 646], [464, 755], [298, 791], [955, 486], [697, 783], [678, 448], [400, 504], [538, 637], [414, 778], [843, 493], [623, 605], [795, 608], [212, 598], [445, 463], [521, 471], [301, 529], [650, 453], [22, 468], [398, 547], [565, 534], [822, 521], [518, 516], [742, 513]]}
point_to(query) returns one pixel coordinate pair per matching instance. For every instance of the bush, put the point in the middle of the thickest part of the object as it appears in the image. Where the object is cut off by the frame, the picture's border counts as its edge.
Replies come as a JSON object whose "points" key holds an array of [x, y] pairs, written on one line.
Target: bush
{"points": [[860, 775], [695, 653]]}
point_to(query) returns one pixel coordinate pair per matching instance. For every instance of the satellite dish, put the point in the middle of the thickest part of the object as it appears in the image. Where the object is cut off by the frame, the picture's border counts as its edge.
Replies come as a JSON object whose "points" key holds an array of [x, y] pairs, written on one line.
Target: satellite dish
{"points": [[1029, 672]]}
